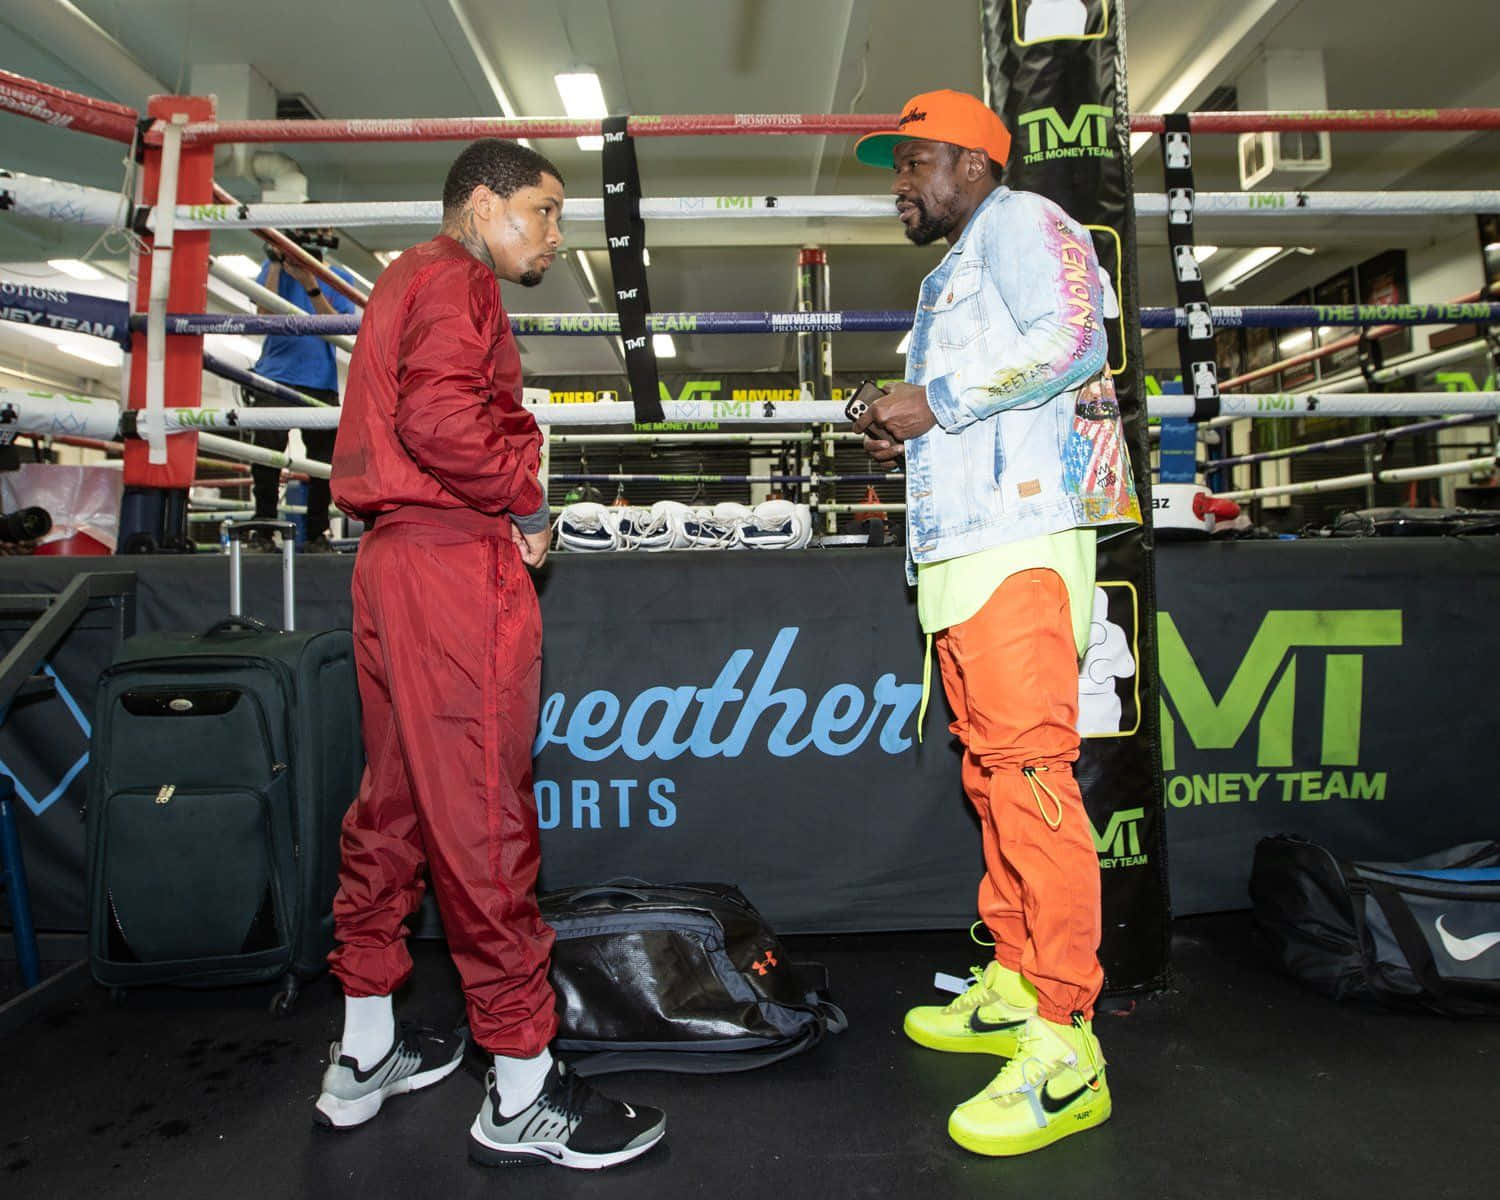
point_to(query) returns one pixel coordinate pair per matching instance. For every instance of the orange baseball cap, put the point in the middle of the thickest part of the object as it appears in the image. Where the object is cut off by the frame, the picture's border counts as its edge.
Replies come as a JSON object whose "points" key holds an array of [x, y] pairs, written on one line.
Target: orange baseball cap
{"points": [[942, 116]]}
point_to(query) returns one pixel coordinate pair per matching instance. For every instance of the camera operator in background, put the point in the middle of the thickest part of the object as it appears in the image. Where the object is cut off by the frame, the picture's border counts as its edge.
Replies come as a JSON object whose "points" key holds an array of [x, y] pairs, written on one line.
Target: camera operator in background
{"points": [[304, 362]]}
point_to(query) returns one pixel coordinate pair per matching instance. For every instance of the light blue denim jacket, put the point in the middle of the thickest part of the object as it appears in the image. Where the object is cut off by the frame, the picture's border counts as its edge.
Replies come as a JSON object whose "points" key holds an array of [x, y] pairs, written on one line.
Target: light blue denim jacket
{"points": [[1009, 342]]}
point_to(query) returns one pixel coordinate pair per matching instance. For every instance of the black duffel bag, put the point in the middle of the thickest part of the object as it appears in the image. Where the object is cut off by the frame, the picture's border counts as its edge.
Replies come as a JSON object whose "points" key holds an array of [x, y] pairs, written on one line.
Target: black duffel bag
{"points": [[678, 977], [1423, 933]]}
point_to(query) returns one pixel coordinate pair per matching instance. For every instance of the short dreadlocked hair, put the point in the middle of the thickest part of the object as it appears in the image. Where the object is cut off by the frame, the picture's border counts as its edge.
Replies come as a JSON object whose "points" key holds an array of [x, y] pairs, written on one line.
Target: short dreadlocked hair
{"points": [[502, 166]]}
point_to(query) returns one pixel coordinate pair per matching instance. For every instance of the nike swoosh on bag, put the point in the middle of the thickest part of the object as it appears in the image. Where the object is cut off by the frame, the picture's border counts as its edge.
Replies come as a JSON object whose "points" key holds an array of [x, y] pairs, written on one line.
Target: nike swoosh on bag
{"points": [[1463, 949]]}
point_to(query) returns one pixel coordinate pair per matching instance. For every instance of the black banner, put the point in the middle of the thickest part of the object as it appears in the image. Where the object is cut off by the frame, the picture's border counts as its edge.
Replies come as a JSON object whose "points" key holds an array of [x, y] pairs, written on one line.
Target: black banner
{"points": [[627, 263], [737, 716], [1195, 338], [1056, 74]]}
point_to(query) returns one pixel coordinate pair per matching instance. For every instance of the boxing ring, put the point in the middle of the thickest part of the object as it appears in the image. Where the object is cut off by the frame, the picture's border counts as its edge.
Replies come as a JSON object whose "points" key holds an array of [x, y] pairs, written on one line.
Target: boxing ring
{"points": [[773, 628]]}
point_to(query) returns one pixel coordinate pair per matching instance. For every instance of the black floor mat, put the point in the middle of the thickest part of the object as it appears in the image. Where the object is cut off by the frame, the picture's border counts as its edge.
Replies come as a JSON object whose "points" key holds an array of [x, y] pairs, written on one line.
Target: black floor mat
{"points": [[1234, 1083]]}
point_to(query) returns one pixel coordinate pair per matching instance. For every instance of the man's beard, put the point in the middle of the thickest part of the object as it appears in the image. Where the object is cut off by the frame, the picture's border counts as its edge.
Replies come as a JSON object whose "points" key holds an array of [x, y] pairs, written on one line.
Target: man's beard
{"points": [[530, 278], [931, 227]]}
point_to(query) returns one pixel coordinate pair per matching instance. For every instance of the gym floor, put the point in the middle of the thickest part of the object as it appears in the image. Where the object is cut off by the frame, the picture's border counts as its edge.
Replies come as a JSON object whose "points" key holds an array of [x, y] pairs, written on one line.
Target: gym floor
{"points": [[1235, 1082]]}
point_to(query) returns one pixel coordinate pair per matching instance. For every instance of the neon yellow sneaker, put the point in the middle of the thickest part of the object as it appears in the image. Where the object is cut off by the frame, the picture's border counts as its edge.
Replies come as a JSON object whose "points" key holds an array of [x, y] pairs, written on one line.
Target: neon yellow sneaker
{"points": [[1052, 1088], [986, 1019]]}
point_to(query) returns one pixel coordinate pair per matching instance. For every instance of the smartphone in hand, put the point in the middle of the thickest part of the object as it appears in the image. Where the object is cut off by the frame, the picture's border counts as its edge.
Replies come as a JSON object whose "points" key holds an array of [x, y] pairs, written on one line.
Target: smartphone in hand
{"points": [[865, 395]]}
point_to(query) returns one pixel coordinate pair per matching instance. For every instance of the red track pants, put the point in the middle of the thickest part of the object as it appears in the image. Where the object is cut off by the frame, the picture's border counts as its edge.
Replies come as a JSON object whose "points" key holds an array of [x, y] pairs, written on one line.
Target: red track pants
{"points": [[447, 636], [1011, 675]]}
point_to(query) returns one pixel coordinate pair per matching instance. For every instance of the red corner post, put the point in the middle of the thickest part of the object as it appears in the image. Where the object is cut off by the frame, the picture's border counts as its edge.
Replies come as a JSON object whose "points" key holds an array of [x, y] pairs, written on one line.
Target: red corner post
{"points": [[155, 507]]}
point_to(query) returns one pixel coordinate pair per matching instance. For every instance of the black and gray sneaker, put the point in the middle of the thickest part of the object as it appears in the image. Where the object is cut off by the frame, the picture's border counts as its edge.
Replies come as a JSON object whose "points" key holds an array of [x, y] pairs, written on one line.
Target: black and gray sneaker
{"points": [[569, 1124], [418, 1057]]}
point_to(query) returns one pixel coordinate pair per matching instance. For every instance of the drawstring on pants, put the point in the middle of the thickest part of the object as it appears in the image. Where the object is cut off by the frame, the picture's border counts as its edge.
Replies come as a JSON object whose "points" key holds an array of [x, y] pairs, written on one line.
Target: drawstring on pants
{"points": [[926, 686], [1031, 778]]}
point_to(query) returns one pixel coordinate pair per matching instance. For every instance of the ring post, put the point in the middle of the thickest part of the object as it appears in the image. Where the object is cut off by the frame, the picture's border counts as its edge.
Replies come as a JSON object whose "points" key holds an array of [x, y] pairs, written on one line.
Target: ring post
{"points": [[153, 512]]}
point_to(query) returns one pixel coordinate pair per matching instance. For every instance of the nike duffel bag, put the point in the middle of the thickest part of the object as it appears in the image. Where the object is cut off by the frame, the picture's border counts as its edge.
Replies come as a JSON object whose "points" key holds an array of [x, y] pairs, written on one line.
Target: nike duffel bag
{"points": [[1423, 933]]}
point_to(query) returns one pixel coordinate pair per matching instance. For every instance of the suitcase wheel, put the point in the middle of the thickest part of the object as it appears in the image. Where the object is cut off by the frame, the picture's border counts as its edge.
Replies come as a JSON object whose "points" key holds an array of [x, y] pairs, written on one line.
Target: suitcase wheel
{"points": [[285, 1000]]}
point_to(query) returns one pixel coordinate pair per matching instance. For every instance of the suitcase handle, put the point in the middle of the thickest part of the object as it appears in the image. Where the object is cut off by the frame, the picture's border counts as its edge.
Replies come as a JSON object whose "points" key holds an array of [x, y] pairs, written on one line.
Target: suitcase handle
{"points": [[237, 532], [231, 624]]}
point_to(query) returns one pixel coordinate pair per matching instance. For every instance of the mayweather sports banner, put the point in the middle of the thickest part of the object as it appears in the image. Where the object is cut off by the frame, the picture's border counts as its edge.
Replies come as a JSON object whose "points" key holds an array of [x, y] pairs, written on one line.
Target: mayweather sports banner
{"points": [[750, 717], [1055, 70]]}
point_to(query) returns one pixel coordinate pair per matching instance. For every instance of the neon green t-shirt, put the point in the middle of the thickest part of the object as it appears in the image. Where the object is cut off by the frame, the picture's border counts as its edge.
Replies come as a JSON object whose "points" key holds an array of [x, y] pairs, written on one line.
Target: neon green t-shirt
{"points": [[952, 591]]}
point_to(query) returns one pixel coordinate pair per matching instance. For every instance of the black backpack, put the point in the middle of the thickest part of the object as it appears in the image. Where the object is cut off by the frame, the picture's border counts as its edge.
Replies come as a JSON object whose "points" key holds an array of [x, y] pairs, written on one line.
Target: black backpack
{"points": [[678, 977], [1423, 933]]}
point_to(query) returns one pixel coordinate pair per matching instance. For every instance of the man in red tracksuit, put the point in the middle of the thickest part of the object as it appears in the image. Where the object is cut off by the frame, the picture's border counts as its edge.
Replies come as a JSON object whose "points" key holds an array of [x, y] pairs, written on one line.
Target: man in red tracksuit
{"points": [[435, 448]]}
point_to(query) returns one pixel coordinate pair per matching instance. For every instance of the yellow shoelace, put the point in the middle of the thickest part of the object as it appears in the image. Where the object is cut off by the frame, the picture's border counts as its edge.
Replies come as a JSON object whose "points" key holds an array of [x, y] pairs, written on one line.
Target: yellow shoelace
{"points": [[1031, 778]]}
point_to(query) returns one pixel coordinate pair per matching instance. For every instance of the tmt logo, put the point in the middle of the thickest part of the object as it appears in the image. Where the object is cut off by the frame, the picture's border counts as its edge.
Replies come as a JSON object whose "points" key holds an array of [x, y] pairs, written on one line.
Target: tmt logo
{"points": [[692, 389], [1263, 692], [1120, 843], [1048, 136]]}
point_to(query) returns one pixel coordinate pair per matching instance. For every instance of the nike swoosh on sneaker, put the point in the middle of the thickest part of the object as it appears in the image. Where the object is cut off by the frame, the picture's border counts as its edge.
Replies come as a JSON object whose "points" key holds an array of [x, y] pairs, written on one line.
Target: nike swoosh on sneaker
{"points": [[630, 1112], [1465, 948], [979, 1025], [1055, 1104]]}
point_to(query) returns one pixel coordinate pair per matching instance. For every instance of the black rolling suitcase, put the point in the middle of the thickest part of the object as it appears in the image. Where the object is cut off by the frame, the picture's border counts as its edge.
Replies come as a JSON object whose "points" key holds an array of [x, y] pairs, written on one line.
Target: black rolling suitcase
{"points": [[222, 764]]}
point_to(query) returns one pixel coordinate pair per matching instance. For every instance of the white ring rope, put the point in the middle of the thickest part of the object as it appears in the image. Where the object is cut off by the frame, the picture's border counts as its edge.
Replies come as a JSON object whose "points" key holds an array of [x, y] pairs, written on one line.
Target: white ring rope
{"points": [[37, 196], [62, 414], [1397, 475]]}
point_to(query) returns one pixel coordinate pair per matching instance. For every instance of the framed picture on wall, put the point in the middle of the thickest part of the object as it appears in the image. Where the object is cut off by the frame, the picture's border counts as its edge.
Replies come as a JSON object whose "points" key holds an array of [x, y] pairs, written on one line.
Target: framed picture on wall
{"points": [[1489, 247], [1260, 351], [1382, 280], [1229, 351], [1338, 290], [1292, 342]]}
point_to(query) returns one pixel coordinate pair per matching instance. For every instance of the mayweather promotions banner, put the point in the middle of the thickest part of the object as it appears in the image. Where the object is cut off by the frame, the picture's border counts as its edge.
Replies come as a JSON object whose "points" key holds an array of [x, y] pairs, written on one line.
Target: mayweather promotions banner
{"points": [[1055, 70]]}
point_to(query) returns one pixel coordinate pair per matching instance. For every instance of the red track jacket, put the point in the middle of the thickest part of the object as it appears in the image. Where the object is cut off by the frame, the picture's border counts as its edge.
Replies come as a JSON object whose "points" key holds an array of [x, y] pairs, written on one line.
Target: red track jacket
{"points": [[432, 415]]}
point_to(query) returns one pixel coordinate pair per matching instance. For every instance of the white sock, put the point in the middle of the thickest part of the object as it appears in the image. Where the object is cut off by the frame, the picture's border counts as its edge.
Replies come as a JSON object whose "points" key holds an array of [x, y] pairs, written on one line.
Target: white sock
{"points": [[369, 1029], [519, 1080]]}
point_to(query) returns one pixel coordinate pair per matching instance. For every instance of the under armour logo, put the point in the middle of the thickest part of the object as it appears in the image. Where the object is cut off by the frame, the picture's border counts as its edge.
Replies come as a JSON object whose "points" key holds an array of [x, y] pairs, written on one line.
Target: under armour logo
{"points": [[764, 967]]}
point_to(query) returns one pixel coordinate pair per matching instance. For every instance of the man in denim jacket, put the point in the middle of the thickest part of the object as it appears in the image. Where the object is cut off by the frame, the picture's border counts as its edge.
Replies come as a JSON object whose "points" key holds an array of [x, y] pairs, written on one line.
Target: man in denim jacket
{"points": [[1015, 460]]}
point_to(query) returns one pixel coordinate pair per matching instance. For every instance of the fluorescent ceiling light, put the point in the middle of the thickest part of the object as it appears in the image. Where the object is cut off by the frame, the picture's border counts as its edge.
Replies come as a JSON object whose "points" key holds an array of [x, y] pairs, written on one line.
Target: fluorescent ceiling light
{"points": [[1252, 262], [582, 260], [646, 256], [76, 268], [663, 345], [1295, 341], [90, 350], [237, 344], [241, 264], [905, 341], [583, 99], [1204, 253]]}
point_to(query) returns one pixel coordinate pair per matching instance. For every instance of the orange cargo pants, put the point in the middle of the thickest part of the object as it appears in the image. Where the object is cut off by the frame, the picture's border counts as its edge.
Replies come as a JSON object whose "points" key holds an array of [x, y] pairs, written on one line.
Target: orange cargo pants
{"points": [[1011, 676]]}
